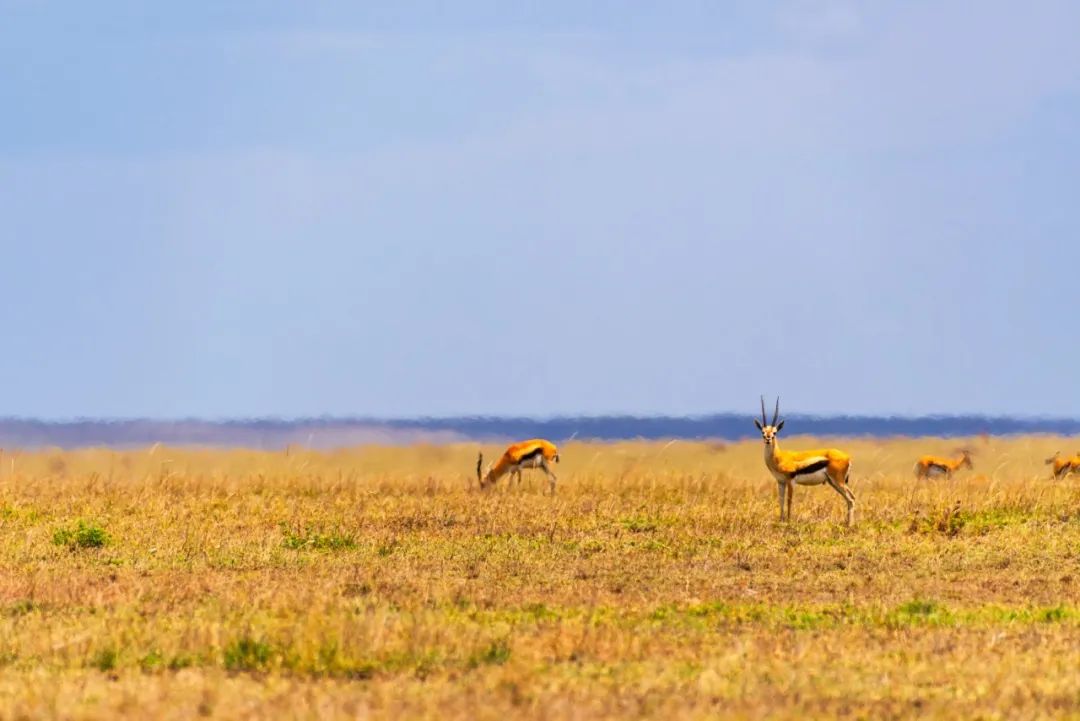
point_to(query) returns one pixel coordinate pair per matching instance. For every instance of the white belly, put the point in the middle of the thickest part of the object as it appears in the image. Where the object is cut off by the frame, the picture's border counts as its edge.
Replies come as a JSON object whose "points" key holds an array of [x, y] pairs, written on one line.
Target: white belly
{"points": [[533, 462], [812, 479]]}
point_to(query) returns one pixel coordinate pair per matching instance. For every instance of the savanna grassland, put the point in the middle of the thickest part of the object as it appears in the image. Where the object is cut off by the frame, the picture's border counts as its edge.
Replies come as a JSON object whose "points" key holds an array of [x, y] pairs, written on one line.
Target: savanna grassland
{"points": [[657, 582]]}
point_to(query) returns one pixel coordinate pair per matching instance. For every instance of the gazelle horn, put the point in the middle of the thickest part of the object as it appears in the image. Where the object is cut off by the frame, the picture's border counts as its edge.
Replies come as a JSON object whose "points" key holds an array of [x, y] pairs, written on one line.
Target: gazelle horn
{"points": [[776, 413]]}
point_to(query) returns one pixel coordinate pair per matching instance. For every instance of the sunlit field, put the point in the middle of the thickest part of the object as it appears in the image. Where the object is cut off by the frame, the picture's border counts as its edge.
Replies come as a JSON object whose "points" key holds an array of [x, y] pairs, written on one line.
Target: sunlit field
{"points": [[657, 582]]}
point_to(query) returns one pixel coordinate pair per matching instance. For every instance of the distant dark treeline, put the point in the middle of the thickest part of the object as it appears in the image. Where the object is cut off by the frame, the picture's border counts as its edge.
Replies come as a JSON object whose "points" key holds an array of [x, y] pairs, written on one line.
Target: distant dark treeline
{"points": [[337, 432], [730, 426]]}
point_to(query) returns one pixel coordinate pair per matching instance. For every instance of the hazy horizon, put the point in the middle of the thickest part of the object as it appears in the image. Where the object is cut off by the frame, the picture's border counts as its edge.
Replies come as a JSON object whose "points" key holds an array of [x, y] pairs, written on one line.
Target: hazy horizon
{"points": [[360, 418], [396, 211], [330, 433]]}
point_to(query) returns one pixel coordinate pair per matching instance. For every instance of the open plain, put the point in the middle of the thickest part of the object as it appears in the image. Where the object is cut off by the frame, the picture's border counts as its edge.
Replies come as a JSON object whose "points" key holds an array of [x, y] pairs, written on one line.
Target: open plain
{"points": [[657, 582]]}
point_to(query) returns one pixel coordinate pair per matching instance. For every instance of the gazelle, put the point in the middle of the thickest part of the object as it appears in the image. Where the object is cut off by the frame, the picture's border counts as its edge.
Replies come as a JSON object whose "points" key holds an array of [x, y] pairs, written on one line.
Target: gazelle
{"points": [[928, 466], [807, 468], [535, 453], [1063, 466]]}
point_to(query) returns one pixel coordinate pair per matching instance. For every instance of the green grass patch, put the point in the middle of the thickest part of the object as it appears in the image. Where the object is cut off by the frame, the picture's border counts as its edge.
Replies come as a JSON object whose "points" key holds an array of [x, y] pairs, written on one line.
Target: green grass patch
{"points": [[83, 535], [386, 548], [495, 653], [918, 607], [247, 654], [153, 661], [181, 661], [585, 548], [21, 608], [540, 612], [331, 662], [639, 524], [316, 540], [1055, 614], [919, 612], [955, 521], [916, 612], [105, 659]]}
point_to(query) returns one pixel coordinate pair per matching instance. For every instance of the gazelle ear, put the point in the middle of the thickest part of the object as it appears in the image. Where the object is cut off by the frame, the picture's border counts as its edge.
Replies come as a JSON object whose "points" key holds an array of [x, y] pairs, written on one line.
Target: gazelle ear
{"points": [[779, 426], [757, 423]]}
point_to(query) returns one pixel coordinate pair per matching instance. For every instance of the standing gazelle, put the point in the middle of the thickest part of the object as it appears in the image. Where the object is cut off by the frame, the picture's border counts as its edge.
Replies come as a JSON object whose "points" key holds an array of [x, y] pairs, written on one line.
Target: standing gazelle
{"points": [[807, 468], [535, 453], [928, 466]]}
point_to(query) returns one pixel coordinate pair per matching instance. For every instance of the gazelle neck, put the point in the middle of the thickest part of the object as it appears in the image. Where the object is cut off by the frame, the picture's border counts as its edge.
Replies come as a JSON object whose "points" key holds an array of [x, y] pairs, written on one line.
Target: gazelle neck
{"points": [[772, 450]]}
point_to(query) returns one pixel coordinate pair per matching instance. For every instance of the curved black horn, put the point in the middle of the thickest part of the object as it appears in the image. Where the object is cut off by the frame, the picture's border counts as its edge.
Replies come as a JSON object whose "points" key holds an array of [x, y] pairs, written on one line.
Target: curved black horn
{"points": [[776, 413], [764, 420]]}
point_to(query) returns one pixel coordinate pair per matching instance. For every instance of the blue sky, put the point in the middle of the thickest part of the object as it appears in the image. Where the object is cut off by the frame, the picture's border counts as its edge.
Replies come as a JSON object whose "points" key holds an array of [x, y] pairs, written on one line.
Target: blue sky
{"points": [[298, 209]]}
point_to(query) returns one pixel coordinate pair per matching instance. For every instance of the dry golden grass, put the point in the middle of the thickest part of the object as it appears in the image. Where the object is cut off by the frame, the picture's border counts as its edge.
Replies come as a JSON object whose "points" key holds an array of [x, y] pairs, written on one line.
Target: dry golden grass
{"points": [[377, 582]]}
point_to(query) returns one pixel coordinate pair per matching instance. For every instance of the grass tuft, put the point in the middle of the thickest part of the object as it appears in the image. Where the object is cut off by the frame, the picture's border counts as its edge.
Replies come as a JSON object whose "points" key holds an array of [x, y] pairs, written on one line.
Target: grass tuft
{"points": [[495, 653], [247, 654], [83, 535], [105, 659], [316, 540]]}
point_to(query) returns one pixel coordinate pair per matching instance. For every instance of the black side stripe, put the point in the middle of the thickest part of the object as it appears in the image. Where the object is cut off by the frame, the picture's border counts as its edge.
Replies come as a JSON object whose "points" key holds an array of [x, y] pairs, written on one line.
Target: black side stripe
{"points": [[812, 468], [538, 451]]}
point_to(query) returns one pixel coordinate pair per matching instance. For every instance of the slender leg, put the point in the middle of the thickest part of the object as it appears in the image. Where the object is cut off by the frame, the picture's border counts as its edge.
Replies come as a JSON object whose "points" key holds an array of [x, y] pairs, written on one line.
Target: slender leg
{"points": [[846, 486], [851, 504], [781, 490], [790, 495], [847, 495], [550, 476]]}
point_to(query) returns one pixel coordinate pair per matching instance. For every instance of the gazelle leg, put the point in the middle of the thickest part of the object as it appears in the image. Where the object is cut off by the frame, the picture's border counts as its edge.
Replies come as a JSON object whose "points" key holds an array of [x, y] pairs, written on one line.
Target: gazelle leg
{"points": [[847, 495], [550, 476], [781, 491], [790, 496]]}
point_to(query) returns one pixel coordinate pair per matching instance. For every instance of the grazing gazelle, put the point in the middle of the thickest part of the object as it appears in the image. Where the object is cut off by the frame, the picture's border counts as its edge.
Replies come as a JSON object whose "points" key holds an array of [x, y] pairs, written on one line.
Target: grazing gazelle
{"points": [[1063, 466], [807, 468], [928, 466], [536, 453]]}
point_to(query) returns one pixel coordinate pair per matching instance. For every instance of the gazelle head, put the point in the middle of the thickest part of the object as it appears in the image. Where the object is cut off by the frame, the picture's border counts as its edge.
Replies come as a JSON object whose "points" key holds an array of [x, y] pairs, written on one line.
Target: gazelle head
{"points": [[965, 460], [769, 430]]}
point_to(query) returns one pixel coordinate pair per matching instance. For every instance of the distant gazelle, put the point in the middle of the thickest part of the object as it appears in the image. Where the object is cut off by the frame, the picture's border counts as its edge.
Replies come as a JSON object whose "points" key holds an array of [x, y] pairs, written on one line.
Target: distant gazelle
{"points": [[1063, 466], [807, 468], [535, 453], [928, 466]]}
